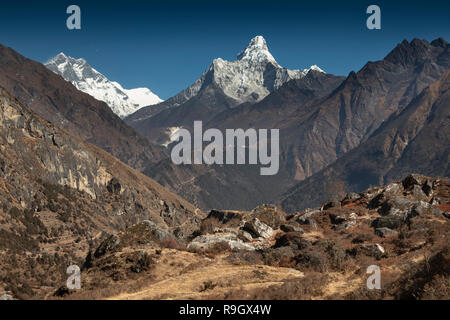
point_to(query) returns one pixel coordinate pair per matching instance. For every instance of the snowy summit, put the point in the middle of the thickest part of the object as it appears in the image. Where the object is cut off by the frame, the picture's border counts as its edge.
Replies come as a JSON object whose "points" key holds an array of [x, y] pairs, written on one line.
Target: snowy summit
{"points": [[122, 102], [250, 78]]}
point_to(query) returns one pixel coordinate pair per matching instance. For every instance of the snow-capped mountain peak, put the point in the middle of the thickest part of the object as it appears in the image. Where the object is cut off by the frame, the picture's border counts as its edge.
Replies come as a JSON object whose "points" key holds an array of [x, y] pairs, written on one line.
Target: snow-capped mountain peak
{"points": [[250, 78], [85, 78], [253, 75], [257, 51]]}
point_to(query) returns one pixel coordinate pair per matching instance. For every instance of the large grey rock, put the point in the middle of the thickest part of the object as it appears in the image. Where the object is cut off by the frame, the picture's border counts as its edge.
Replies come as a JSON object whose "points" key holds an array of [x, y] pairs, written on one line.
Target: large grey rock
{"points": [[206, 242], [418, 193], [258, 229], [6, 296], [397, 206]]}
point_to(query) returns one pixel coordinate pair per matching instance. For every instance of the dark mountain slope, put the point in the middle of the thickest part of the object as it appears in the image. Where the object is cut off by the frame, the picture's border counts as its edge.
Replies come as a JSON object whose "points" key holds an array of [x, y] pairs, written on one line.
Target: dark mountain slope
{"points": [[61, 195], [58, 101], [417, 140]]}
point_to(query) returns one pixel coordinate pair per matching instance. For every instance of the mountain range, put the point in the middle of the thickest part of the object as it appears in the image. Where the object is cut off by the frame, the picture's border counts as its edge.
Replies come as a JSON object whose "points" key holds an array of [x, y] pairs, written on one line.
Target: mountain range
{"points": [[224, 85], [79, 184], [321, 117]]}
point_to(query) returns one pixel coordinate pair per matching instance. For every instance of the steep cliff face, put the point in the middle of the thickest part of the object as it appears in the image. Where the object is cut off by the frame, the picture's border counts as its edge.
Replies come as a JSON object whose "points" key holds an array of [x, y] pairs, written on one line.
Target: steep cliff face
{"points": [[60, 195], [59, 102]]}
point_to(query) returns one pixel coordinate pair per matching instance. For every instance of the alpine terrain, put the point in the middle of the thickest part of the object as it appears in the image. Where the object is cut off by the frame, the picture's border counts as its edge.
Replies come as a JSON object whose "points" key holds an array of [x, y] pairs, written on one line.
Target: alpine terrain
{"points": [[122, 102]]}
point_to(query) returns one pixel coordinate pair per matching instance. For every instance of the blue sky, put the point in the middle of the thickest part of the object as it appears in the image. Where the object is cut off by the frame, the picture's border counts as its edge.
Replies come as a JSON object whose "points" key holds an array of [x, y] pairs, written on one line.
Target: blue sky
{"points": [[166, 45]]}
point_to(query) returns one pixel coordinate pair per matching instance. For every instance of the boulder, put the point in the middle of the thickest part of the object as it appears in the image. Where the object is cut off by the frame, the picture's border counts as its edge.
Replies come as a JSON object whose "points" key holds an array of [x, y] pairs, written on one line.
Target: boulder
{"points": [[207, 242], [413, 179], [427, 188], [306, 217], [383, 232], [269, 215], [108, 245], [435, 201], [390, 221], [224, 216], [393, 189], [292, 228], [244, 236], [258, 229], [345, 226], [337, 218], [291, 239], [373, 250], [418, 193], [6, 296], [331, 204], [419, 209], [396, 206]]}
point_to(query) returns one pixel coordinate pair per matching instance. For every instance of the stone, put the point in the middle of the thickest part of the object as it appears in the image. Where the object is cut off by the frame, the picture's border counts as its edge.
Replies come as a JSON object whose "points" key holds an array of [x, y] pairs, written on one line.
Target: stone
{"points": [[413, 179], [418, 193], [269, 215], [291, 228], [148, 224], [245, 236], [345, 226], [114, 186], [206, 242], [109, 245], [331, 204], [383, 232], [418, 209], [396, 206], [390, 221], [258, 229], [393, 189], [224, 216], [292, 239], [427, 188], [435, 201], [373, 249], [6, 296], [337, 219]]}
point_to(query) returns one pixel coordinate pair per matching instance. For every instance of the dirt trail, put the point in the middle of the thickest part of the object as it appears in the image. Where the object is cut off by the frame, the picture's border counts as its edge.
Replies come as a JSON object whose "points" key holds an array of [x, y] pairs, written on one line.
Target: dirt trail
{"points": [[222, 278]]}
